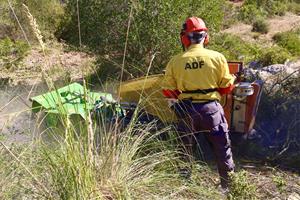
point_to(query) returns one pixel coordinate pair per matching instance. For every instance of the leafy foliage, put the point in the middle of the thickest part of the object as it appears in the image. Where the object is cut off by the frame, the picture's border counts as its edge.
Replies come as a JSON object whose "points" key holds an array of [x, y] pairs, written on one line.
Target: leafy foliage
{"points": [[234, 48], [153, 33], [47, 12], [254, 9], [260, 26], [250, 12], [280, 183], [230, 15], [294, 7], [240, 187], [273, 55], [274, 7], [289, 41], [11, 53]]}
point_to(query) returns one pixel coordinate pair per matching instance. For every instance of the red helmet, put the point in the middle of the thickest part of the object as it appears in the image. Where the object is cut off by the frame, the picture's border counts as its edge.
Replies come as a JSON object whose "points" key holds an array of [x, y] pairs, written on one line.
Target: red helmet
{"points": [[192, 24]]}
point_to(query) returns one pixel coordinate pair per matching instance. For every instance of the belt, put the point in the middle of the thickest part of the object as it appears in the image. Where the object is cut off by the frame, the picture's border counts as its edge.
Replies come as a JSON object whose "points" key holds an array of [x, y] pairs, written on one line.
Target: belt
{"points": [[204, 101], [204, 91]]}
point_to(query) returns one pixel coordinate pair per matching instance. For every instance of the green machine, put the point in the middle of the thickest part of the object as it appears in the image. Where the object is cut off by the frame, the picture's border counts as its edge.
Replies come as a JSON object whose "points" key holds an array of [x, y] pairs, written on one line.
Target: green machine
{"points": [[75, 102]]}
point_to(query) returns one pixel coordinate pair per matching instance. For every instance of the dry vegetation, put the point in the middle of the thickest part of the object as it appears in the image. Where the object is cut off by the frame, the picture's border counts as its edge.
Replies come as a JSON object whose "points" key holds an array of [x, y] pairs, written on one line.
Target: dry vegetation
{"points": [[133, 163]]}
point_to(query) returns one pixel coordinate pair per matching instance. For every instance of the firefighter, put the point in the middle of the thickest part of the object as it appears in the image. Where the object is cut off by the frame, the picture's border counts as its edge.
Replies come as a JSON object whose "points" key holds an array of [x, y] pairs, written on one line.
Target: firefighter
{"points": [[198, 77]]}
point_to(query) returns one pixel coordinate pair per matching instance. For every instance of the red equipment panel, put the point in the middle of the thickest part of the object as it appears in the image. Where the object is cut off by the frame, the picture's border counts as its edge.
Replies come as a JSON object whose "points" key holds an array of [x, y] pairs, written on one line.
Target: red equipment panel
{"points": [[241, 113]]}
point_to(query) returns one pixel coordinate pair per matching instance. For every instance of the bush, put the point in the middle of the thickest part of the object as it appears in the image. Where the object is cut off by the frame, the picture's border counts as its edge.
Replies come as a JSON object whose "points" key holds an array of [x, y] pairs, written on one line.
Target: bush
{"points": [[154, 30], [47, 12], [234, 48], [274, 7], [289, 41], [294, 7], [273, 55], [280, 183], [98, 160], [249, 13], [260, 26], [11, 53], [254, 9], [277, 120], [241, 187]]}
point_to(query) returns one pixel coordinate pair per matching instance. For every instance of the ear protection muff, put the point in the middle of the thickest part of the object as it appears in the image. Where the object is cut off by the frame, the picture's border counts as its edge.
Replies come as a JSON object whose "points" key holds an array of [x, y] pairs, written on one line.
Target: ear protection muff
{"points": [[206, 40], [185, 41]]}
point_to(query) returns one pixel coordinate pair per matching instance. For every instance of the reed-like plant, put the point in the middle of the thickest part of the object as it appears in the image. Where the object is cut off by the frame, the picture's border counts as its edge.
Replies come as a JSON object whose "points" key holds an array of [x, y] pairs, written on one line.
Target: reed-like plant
{"points": [[129, 163]]}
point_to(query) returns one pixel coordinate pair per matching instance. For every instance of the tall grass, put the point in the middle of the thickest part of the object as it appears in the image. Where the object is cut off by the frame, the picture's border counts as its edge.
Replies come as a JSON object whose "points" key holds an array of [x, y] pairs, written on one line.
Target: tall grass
{"points": [[130, 164]]}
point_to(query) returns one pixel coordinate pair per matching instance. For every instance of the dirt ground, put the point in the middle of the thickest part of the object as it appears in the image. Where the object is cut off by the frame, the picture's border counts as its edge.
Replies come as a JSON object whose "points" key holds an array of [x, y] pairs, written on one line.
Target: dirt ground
{"points": [[17, 123], [58, 63], [273, 183], [277, 24]]}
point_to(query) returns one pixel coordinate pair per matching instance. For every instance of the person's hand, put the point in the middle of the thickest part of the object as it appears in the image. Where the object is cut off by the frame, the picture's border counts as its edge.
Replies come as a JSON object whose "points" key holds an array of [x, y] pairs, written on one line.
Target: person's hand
{"points": [[171, 102], [234, 76]]}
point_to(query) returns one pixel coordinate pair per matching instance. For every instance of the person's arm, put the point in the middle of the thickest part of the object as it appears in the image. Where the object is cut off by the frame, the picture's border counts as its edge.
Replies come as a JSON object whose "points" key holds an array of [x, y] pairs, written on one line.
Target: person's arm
{"points": [[169, 83], [172, 94], [226, 90], [226, 84]]}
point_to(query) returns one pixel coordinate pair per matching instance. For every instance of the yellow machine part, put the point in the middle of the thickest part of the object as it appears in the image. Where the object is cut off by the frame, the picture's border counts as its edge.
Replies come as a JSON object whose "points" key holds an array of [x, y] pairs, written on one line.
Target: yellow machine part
{"points": [[147, 92]]}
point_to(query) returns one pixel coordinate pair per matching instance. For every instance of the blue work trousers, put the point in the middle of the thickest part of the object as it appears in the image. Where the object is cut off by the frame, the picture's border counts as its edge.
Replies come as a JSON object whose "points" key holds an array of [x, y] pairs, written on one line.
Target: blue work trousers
{"points": [[196, 117]]}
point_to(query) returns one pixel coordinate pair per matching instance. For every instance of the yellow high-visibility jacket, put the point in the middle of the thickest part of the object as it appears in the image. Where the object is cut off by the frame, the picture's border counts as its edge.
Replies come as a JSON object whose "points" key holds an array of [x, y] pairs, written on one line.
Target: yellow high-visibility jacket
{"points": [[198, 69]]}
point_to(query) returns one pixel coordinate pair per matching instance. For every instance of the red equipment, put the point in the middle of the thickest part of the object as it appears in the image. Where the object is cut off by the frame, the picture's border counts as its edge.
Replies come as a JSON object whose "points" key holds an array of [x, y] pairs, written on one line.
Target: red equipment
{"points": [[240, 111]]}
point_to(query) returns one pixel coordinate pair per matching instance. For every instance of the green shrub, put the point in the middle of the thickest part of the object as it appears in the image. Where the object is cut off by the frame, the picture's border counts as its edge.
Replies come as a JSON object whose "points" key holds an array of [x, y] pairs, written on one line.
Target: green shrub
{"points": [[280, 183], [234, 48], [294, 7], [250, 12], [254, 9], [273, 55], [289, 41], [6, 28], [100, 160], [48, 14], [154, 30], [241, 187], [260, 26], [9, 47], [11, 53], [274, 7]]}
